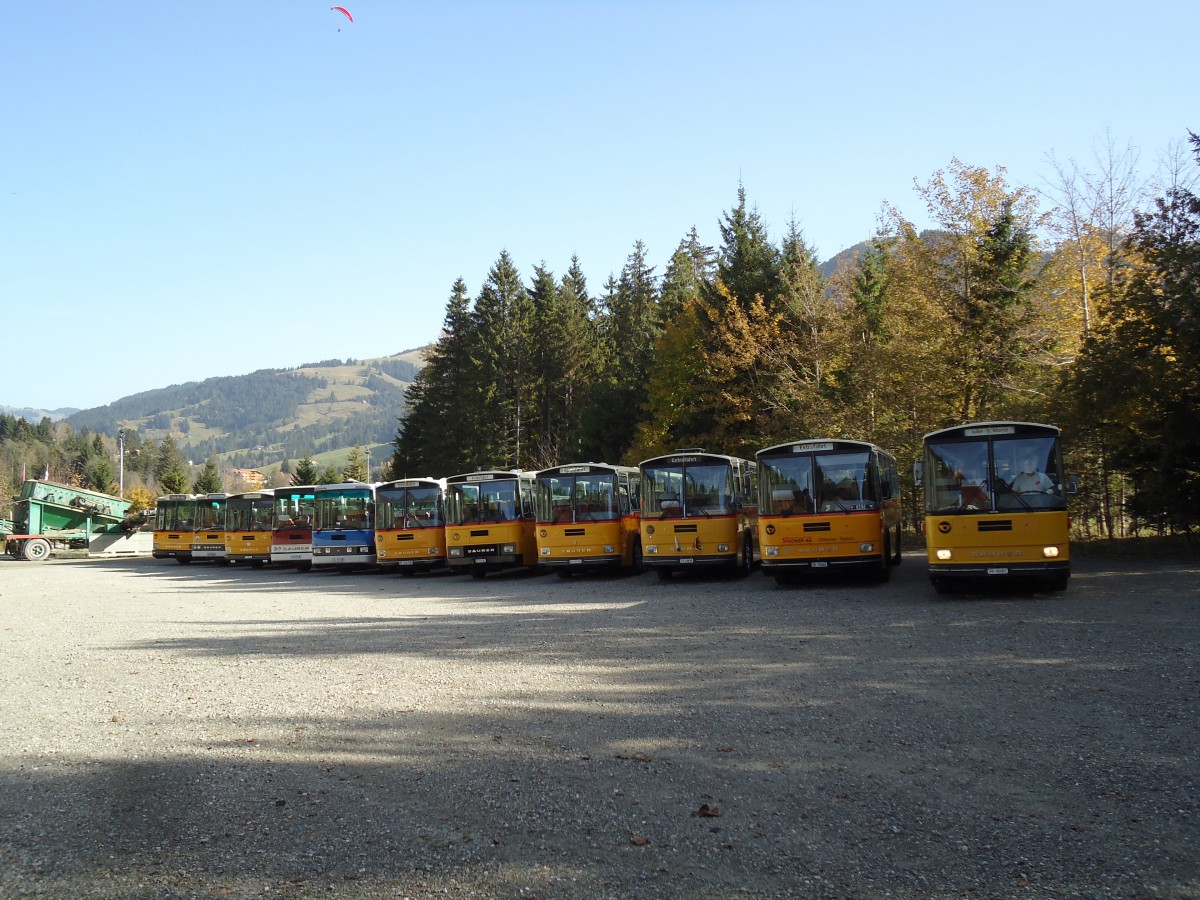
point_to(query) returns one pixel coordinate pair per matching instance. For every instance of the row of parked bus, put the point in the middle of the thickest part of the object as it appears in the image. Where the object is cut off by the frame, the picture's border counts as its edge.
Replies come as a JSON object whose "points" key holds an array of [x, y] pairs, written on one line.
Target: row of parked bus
{"points": [[796, 507]]}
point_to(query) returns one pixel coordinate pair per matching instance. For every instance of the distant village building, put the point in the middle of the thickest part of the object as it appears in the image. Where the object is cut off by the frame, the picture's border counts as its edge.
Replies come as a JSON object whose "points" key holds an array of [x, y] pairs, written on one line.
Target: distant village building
{"points": [[252, 477]]}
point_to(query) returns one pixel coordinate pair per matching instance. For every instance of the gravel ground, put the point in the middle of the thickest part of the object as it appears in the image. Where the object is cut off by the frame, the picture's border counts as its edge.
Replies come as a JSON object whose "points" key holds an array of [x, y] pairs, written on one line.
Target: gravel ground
{"points": [[170, 731]]}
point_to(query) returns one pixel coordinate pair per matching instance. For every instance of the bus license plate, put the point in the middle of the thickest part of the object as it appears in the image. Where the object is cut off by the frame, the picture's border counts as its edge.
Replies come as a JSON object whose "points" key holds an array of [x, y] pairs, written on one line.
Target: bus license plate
{"points": [[575, 562], [684, 560], [997, 571], [480, 561], [820, 565], [406, 562]]}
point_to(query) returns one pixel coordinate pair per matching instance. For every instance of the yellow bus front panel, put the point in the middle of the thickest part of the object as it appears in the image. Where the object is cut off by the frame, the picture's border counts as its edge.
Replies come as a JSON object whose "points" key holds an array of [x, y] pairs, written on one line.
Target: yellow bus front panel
{"points": [[583, 545], [687, 543], [176, 545], [248, 546], [821, 542], [411, 549], [482, 548], [999, 545]]}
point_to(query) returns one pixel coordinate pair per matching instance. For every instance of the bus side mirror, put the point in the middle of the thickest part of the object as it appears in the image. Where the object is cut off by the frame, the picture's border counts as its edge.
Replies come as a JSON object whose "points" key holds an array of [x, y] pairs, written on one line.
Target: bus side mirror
{"points": [[918, 472], [1072, 484]]}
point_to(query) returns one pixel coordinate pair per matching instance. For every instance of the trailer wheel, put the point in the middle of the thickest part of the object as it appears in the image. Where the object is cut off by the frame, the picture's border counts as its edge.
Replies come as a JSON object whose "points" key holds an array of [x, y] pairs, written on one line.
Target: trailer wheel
{"points": [[37, 549]]}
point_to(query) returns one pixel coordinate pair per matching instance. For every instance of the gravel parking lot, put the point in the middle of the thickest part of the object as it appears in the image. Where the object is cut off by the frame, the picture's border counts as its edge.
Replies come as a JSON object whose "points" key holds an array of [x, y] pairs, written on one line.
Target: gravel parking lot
{"points": [[171, 731]]}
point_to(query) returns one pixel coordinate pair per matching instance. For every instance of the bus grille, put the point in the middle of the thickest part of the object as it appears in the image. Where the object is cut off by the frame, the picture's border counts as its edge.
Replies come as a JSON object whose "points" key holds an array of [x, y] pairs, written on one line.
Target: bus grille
{"points": [[995, 525], [817, 526]]}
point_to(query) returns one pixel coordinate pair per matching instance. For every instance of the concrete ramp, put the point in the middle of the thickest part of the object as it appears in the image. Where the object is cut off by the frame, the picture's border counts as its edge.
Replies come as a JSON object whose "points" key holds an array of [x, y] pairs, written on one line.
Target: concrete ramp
{"points": [[137, 543]]}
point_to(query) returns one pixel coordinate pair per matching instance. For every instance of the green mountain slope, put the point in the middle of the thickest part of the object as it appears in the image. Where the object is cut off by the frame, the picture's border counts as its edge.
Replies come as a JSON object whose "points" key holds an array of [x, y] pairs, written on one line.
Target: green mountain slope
{"points": [[266, 416]]}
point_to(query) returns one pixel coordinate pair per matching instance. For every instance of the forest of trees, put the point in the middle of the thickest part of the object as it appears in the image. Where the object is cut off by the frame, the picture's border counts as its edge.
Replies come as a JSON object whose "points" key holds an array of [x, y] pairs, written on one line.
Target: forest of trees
{"points": [[1086, 315]]}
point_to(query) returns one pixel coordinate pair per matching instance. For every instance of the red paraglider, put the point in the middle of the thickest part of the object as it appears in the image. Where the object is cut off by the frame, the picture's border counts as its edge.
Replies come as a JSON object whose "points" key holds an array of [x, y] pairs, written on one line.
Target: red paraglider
{"points": [[345, 12]]}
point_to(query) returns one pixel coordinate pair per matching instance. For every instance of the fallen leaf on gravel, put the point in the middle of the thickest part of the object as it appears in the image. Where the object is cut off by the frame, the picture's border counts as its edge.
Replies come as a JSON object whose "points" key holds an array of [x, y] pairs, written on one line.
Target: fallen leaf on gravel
{"points": [[707, 812], [725, 749], [636, 757], [638, 840]]}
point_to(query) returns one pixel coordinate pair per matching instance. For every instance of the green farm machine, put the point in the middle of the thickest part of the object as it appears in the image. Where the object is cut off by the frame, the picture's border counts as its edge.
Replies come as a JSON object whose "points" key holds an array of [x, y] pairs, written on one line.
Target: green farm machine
{"points": [[50, 518]]}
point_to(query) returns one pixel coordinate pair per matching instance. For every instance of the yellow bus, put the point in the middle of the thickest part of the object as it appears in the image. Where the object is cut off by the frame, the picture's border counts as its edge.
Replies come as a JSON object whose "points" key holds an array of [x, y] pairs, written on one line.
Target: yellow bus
{"points": [[410, 532], [587, 518], [828, 504], [698, 511], [208, 541], [489, 522], [174, 527], [248, 531], [996, 504]]}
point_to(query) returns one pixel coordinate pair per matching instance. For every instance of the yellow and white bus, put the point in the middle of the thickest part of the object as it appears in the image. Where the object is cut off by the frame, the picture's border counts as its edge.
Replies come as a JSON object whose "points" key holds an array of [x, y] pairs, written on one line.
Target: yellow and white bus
{"points": [[587, 518], [828, 504], [410, 532], [996, 504], [208, 541], [248, 531], [291, 526], [174, 527], [489, 521], [698, 511]]}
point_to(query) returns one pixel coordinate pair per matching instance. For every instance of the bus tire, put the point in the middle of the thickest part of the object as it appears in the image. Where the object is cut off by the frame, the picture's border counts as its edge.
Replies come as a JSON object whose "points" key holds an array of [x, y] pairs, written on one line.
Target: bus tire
{"points": [[304, 566], [183, 560], [747, 566]]}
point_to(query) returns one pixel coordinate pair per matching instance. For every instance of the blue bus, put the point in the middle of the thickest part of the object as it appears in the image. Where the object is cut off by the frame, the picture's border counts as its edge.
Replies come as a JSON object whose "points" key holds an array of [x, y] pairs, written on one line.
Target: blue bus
{"points": [[343, 534]]}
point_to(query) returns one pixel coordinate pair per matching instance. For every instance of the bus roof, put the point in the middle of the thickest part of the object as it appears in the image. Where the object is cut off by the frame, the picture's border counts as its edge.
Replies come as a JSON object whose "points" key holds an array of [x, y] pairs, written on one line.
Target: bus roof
{"points": [[587, 468], [994, 429], [806, 445], [680, 457], [411, 482]]}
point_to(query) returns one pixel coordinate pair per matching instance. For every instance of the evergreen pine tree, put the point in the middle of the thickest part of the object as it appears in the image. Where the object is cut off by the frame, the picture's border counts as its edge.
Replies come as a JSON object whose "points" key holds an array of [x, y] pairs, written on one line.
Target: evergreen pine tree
{"points": [[209, 479], [171, 470]]}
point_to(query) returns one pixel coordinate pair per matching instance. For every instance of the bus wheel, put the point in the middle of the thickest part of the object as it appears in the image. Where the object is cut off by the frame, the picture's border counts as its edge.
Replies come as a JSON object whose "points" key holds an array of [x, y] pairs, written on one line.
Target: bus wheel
{"points": [[664, 574], [183, 560], [884, 572], [304, 567], [747, 556]]}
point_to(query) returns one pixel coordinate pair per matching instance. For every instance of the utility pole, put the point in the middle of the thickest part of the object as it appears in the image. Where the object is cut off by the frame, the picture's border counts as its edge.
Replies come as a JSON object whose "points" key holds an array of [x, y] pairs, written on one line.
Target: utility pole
{"points": [[121, 462]]}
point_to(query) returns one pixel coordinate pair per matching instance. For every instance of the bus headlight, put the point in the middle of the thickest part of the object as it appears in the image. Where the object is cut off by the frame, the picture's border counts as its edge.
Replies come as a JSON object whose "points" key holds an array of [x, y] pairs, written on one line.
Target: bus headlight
{"points": [[456, 552], [771, 551], [651, 548], [545, 551], [1050, 552], [722, 548], [432, 551], [609, 548], [508, 548], [866, 547], [943, 554]]}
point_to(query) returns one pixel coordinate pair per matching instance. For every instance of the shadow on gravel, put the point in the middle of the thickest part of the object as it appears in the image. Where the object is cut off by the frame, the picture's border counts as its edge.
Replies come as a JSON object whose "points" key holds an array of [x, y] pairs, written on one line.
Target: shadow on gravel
{"points": [[831, 741]]}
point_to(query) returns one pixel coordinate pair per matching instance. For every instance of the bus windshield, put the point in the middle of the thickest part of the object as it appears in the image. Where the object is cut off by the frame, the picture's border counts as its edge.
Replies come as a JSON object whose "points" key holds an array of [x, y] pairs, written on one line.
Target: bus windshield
{"points": [[251, 514], [683, 490], [482, 501], [1009, 474], [799, 483], [341, 510], [576, 498], [410, 507]]}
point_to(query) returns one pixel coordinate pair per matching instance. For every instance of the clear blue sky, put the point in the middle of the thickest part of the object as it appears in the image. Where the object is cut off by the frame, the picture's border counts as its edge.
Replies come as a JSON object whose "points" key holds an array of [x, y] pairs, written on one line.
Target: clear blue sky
{"points": [[198, 189]]}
